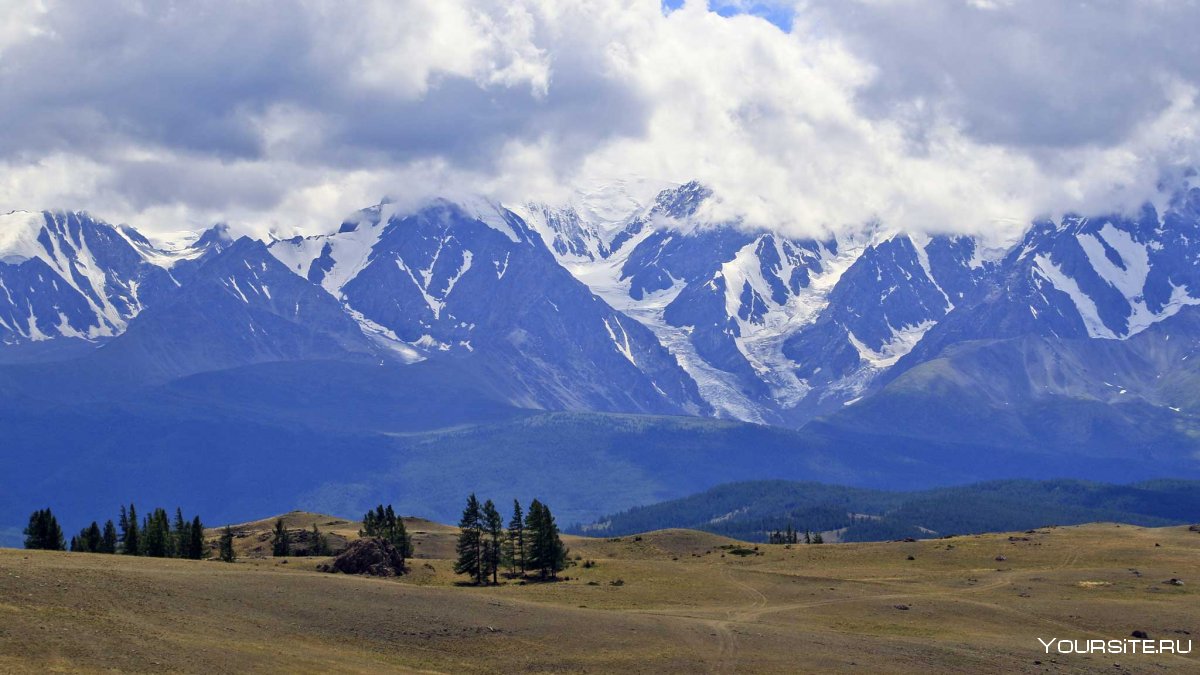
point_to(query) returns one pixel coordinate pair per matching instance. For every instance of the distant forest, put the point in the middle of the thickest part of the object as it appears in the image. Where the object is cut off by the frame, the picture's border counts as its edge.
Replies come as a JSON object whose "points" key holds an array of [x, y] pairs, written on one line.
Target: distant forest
{"points": [[755, 510]]}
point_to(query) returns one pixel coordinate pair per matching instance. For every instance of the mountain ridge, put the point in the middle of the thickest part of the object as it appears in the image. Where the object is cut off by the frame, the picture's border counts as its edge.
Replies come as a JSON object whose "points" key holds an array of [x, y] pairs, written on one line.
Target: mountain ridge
{"points": [[697, 317]]}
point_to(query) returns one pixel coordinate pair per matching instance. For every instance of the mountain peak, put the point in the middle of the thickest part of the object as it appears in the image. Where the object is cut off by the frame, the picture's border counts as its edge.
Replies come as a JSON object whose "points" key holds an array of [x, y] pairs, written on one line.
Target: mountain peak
{"points": [[683, 201], [217, 235]]}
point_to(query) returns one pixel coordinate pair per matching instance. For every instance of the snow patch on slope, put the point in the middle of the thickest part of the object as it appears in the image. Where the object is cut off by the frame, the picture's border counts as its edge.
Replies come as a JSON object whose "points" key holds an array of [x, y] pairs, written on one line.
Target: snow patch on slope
{"points": [[895, 348], [1083, 303], [1127, 275]]}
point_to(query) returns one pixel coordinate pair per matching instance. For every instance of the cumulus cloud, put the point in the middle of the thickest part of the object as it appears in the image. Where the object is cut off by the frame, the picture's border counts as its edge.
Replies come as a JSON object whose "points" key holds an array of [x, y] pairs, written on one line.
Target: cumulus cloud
{"points": [[807, 116]]}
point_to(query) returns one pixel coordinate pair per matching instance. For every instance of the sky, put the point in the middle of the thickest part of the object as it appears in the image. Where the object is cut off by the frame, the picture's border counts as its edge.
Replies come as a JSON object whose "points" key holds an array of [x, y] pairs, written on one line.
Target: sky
{"points": [[804, 116]]}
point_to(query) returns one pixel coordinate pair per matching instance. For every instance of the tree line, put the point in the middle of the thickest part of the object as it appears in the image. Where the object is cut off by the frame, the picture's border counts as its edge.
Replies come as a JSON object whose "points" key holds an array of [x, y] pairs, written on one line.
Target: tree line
{"points": [[282, 546], [530, 542], [155, 536], [792, 536]]}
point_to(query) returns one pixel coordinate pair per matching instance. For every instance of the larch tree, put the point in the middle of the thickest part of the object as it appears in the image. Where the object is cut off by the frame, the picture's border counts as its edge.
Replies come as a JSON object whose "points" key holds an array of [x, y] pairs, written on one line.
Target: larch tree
{"points": [[225, 545], [195, 549], [130, 544], [43, 532], [108, 540], [493, 526], [514, 545], [281, 541], [470, 542]]}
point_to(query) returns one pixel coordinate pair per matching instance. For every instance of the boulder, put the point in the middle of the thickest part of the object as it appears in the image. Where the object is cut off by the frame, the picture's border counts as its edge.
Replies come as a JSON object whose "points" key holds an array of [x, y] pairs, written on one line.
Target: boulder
{"points": [[374, 557]]}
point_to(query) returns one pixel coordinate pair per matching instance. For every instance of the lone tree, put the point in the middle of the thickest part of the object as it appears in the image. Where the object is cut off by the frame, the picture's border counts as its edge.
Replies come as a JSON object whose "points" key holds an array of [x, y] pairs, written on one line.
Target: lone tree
{"points": [[494, 529], [547, 554], [225, 546], [43, 532], [470, 542], [282, 543], [514, 543]]}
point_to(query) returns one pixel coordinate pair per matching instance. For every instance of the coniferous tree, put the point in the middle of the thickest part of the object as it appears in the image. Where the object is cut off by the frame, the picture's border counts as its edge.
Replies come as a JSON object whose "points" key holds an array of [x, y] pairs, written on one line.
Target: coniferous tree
{"points": [[320, 545], [180, 537], [108, 540], [493, 526], [195, 549], [90, 538], [225, 546], [547, 554], [402, 541], [43, 532], [818, 539], [155, 537], [130, 544], [514, 543], [470, 542], [369, 529], [395, 532], [75, 548], [533, 546], [556, 553], [281, 542], [384, 523]]}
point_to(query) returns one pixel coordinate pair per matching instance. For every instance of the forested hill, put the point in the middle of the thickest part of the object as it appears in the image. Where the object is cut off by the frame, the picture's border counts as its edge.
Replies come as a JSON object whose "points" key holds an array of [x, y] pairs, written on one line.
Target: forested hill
{"points": [[752, 510]]}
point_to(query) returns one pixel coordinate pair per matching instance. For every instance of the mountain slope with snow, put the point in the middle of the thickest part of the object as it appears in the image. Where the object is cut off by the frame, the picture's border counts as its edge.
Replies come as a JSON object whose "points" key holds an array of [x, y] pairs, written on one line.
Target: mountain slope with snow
{"points": [[66, 275], [450, 281], [772, 329], [608, 303]]}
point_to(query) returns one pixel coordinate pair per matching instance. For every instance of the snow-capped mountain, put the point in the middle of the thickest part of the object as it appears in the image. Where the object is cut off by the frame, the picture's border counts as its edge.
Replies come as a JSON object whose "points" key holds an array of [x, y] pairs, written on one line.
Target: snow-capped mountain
{"points": [[240, 306], [65, 275], [1084, 338], [448, 281], [771, 328], [68, 275], [608, 304], [1100, 278], [362, 363]]}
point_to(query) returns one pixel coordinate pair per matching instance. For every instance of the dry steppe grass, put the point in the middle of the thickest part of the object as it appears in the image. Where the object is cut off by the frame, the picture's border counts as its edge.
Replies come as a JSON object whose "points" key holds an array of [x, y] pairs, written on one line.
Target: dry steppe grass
{"points": [[684, 602]]}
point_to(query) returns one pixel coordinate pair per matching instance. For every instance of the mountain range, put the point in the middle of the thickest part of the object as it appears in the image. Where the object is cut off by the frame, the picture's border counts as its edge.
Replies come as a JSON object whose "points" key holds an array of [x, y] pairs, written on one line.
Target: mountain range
{"points": [[878, 358]]}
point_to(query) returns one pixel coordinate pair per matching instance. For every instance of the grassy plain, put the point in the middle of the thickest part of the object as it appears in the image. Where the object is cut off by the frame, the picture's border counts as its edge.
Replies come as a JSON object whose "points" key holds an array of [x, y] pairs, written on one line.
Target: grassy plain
{"points": [[674, 600]]}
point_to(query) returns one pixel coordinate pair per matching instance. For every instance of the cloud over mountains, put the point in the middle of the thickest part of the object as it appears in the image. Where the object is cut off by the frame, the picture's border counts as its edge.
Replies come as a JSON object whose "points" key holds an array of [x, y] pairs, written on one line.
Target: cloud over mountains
{"points": [[808, 116]]}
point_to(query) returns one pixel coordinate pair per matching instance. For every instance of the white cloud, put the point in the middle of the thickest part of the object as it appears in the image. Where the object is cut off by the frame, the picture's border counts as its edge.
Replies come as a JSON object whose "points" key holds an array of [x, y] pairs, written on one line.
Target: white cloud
{"points": [[955, 115]]}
